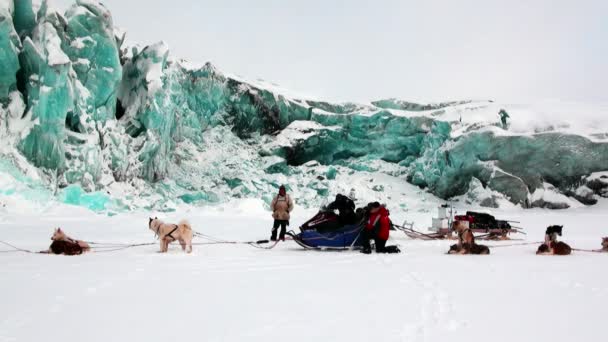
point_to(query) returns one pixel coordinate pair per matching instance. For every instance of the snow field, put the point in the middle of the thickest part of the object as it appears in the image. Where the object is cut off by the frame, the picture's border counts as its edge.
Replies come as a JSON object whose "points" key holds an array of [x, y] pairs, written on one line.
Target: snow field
{"points": [[237, 292]]}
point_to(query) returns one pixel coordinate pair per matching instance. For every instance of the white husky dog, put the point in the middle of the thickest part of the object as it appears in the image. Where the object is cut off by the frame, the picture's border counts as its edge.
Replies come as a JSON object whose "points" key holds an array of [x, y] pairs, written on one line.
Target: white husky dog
{"points": [[168, 232]]}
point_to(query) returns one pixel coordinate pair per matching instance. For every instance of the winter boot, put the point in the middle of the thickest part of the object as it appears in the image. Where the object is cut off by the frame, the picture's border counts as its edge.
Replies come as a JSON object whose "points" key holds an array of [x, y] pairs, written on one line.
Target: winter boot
{"points": [[391, 249]]}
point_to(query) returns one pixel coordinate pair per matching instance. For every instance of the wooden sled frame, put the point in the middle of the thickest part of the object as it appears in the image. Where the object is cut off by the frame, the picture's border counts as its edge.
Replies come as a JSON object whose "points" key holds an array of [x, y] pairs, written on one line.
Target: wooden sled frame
{"points": [[486, 234]]}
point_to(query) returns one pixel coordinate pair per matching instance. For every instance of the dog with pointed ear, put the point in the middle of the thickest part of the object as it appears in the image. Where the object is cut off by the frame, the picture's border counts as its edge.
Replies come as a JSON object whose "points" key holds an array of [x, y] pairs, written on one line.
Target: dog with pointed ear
{"points": [[551, 245], [552, 233], [169, 232], [555, 229], [63, 244], [58, 235]]}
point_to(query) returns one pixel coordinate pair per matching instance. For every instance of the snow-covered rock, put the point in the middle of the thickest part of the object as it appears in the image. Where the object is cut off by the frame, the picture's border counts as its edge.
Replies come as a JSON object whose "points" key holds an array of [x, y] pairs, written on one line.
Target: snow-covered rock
{"points": [[550, 197]]}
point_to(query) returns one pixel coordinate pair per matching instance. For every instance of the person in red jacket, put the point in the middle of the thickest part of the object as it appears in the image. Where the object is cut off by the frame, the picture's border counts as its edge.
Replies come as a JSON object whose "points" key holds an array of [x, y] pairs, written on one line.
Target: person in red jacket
{"points": [[377, 227]]}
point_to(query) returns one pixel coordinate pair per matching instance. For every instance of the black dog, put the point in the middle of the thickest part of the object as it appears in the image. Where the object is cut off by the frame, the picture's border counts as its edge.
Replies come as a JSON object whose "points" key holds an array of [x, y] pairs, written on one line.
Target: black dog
{"points": [[554, 230], [551, 245], [65, 247]]}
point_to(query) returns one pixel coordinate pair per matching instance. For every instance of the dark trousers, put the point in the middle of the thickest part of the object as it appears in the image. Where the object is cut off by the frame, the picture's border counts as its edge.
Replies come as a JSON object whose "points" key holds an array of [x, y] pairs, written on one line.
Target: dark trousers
{"points": [[275, 227], [367, 235]]}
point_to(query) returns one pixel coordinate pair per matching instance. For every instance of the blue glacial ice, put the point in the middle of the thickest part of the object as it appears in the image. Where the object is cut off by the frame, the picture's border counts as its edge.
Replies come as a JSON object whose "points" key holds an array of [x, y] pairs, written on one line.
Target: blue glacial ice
{"points": [[109, 125]]}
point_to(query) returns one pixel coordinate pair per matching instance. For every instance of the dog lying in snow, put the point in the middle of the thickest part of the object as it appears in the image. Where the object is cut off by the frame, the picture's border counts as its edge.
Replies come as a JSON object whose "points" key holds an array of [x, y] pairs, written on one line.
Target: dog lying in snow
{"points": [[551, 245], [168, 233], [63, 244], [466, 241], [604, 244]]}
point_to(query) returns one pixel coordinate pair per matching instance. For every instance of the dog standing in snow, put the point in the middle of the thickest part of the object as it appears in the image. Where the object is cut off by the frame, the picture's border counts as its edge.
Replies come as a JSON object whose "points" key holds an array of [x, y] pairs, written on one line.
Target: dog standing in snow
{"points": [[63, 244], [168, 233], [551, 245]]}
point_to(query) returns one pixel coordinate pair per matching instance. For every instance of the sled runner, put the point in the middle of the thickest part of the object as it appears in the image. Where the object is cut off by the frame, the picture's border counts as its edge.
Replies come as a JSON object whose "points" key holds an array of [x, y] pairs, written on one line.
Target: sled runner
{"points": [[408, 229], [323, 231]]}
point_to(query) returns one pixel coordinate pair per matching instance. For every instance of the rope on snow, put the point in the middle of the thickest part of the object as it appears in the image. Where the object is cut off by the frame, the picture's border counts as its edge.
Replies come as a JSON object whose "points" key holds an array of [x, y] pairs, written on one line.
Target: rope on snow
{"points": [[517, 244]]}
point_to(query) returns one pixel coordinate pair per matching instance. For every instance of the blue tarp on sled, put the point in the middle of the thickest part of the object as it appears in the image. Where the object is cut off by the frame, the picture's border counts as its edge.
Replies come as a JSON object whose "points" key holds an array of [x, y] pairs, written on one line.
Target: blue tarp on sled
{"points": [[342, 238]]}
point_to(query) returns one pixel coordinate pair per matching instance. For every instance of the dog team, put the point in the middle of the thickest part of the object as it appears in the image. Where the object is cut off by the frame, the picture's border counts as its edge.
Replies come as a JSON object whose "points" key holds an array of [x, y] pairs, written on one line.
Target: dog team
{"points": [[165, 232], [182, 232]]}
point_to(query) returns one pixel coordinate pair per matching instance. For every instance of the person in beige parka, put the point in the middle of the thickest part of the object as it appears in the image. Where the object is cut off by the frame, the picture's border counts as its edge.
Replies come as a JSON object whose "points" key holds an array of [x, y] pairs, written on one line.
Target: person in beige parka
{"points": [[281, 206]]}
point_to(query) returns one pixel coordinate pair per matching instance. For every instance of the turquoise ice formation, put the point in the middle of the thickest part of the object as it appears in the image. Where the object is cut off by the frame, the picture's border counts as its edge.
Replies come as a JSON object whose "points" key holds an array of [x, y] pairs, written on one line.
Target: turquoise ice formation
{"points": [[102, 122]]}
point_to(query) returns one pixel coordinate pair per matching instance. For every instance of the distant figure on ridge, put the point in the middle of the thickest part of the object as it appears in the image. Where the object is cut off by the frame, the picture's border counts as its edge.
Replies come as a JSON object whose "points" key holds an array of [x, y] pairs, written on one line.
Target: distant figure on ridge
{"points": [[281, 206], [503, 118]]}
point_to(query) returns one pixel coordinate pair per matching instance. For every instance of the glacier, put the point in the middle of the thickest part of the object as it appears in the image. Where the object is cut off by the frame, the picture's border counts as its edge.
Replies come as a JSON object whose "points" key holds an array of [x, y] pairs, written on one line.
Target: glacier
{"points": [[87, 119]]}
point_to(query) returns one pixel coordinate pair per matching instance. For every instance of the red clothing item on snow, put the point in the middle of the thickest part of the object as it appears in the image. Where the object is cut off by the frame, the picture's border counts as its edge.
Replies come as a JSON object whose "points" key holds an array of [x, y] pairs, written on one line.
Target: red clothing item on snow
{"points": [[381, 220]]}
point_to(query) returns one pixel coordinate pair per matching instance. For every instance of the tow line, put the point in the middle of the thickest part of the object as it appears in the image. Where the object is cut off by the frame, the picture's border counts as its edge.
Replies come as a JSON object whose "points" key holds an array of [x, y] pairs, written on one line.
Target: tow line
{"points": [[516, 244], [105, 247]]}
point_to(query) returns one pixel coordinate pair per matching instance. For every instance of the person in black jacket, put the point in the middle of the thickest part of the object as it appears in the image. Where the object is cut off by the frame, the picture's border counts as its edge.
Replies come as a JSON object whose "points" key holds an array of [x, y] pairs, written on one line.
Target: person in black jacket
{"points": [[346, 209]]}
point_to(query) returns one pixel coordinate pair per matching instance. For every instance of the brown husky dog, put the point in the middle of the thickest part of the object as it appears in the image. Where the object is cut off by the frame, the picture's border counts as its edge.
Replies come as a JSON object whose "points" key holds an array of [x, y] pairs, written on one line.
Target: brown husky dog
{"points": [[466, 241], [63, 244], [604, 244], [551, 245], [168, 233]]}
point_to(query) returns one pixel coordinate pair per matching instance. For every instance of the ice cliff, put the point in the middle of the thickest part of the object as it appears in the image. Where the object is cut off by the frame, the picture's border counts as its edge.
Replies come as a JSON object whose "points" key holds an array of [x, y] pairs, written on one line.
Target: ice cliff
{"points": [[97, 123]]}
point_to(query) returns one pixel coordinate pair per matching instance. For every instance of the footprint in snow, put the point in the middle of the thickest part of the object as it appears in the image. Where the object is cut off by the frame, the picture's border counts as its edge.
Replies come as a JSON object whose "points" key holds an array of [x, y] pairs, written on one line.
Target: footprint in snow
{"points": [[435, 311]]}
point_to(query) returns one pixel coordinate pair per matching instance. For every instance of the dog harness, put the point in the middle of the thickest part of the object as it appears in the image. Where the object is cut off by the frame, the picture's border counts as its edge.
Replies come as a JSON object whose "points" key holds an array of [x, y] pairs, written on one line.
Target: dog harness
{"points": [[461, 235], [170, 233], [70, 240]]}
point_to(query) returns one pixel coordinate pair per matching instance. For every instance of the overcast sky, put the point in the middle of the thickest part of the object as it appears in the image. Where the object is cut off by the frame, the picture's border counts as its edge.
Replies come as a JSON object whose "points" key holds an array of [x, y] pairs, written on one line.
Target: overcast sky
{"points": [[431, 50]]}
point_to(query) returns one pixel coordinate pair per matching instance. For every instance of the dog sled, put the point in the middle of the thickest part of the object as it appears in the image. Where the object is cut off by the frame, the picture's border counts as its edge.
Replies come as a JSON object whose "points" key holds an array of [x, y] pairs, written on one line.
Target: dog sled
{"points": [[408, 229], [483, 225], [324, 232]]}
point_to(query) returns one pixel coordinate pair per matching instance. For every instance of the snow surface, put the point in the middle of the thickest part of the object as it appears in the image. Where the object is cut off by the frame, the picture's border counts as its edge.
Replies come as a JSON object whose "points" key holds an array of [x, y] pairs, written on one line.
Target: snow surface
{"points": [[52, 44], [7, 6], [237, 292], [16, 106], [548, 115], [545, 116], [300, 130], [601, 176], [80, 43], [550, 194]]}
